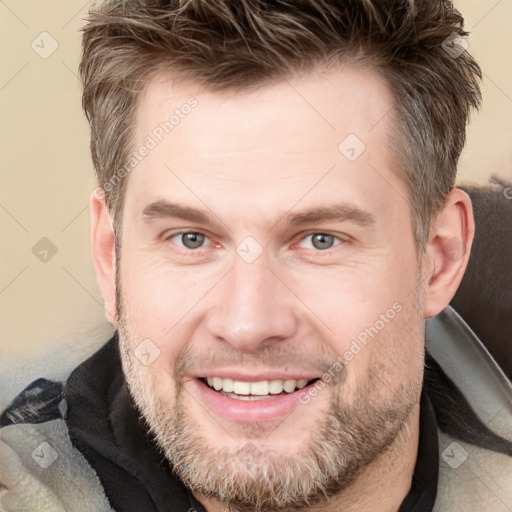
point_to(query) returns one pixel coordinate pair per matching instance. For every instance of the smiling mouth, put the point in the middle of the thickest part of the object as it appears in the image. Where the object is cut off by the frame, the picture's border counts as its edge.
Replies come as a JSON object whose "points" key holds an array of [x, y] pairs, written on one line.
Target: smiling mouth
{"points": [[262, 390]]}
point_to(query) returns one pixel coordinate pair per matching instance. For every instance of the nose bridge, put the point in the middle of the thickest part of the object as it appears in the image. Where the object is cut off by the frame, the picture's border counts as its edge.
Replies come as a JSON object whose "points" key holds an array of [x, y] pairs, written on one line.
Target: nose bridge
{"points": [[254, 308], [251, 287]]}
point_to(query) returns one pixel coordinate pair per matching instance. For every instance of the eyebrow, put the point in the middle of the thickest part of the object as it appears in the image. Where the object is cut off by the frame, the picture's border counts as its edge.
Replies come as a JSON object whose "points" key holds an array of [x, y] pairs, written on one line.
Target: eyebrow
{"points": [[164, 209], [337, 212]]}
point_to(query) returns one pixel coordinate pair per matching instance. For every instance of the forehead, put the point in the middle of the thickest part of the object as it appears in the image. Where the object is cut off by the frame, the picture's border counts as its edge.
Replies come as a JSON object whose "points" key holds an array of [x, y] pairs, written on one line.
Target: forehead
{"points": [[267, 141], [317, 108]]}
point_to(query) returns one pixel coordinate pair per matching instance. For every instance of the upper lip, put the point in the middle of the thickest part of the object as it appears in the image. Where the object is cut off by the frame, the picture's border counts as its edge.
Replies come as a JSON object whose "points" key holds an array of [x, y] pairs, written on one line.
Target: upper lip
{"points": [[256, 376]]}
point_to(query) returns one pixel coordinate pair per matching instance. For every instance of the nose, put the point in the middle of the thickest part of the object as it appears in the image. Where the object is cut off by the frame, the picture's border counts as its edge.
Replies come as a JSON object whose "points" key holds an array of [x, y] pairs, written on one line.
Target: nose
{"points": [[255, 307]]}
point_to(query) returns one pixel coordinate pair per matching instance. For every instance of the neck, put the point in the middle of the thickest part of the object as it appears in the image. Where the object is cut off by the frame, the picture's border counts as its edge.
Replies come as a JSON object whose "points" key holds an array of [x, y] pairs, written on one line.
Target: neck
{"points": [[382, 485]]}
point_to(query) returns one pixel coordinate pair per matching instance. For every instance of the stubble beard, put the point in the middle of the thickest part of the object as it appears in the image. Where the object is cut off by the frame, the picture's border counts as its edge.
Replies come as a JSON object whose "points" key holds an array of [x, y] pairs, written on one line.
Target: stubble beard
{"points": [[248, 479]]}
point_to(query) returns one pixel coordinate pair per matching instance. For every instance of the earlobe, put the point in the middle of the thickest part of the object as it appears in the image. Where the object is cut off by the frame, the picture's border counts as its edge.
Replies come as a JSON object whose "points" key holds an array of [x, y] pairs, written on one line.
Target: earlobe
{"points": [[447, 251], [103, 244]]}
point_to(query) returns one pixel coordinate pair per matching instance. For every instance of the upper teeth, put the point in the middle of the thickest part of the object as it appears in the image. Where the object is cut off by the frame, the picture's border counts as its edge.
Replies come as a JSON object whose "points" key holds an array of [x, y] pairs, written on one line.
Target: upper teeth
{"points": [[263, 387]]}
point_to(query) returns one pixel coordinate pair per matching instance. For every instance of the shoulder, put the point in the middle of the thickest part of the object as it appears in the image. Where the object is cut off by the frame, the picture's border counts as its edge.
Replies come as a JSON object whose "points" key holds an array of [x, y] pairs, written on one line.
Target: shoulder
{"points": [[38, 457], [472, 401]]}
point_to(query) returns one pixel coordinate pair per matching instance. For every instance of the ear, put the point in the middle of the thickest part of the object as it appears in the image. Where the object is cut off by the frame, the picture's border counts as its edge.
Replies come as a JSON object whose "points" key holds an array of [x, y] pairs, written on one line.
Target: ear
{"points": [[103, 244], [447, 251]]}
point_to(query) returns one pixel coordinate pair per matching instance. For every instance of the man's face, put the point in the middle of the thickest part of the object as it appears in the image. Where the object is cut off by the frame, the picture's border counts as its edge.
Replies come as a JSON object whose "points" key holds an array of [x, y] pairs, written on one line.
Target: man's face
{"points": [[262, 243]]}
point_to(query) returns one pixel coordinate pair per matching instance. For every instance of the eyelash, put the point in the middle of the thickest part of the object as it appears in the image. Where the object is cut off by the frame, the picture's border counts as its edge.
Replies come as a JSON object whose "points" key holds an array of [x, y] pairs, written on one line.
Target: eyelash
{"points": [[337, 239]]}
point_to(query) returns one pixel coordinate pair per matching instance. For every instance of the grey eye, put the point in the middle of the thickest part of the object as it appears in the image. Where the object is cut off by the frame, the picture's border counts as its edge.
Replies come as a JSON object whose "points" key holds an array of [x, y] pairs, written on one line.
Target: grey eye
{"points": [[192, 240], [322, 241]]}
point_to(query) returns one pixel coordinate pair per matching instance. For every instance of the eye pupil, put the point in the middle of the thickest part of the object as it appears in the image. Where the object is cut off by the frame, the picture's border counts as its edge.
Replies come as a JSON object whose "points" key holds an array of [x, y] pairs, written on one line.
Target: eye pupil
{"points": [[192, 240], [322, 241]]}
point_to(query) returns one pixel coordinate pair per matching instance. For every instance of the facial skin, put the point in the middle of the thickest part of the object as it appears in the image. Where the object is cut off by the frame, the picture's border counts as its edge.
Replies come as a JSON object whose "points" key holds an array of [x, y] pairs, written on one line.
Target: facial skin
{"points": [[251, 161]]}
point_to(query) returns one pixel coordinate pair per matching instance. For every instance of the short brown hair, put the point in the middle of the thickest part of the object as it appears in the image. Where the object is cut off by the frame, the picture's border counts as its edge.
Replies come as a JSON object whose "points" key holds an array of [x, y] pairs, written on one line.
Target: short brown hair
{"points": [[240, 44]]}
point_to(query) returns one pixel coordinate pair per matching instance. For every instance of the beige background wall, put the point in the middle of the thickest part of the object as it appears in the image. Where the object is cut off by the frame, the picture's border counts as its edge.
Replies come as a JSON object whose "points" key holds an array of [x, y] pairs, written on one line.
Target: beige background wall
{"points": [[46, 173]]}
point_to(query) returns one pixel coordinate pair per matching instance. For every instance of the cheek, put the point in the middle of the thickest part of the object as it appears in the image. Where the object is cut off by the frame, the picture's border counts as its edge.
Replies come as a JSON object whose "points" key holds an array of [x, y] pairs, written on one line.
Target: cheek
{"points": [[367, 313], [348, 300], [397, 350], [160, 303]]}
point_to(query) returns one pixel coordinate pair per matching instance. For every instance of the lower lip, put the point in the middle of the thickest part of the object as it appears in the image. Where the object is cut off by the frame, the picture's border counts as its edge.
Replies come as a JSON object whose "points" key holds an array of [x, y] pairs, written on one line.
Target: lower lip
{"points": [[249, 410]]}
